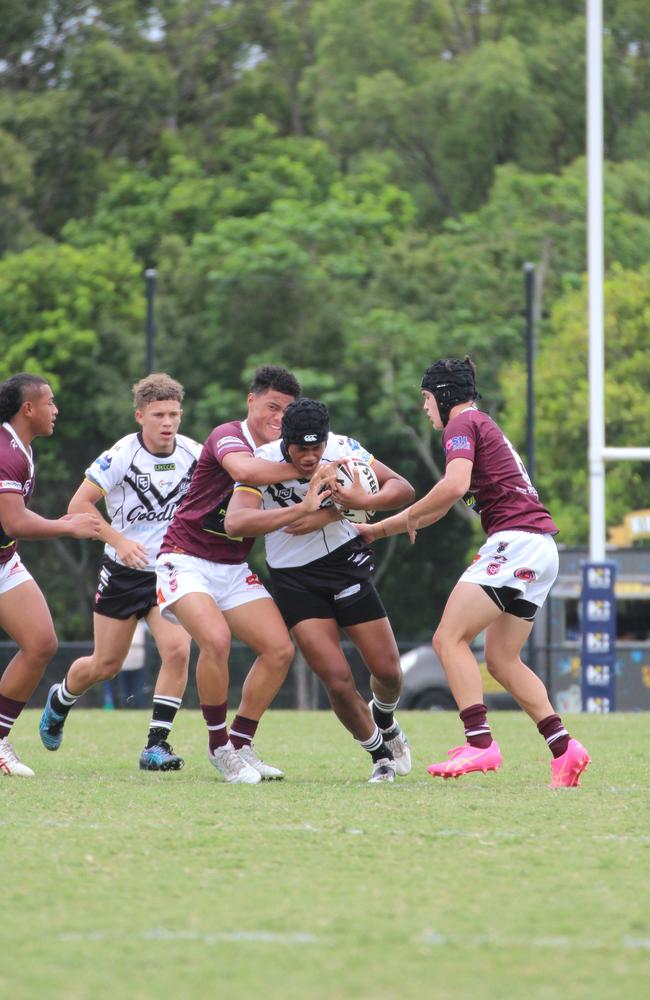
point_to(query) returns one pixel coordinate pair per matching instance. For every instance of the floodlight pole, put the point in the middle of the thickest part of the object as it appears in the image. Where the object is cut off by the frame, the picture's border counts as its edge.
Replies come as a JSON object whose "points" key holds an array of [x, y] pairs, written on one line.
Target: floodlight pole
{"points": [[150, 280], [529, 275], [595, 267]]}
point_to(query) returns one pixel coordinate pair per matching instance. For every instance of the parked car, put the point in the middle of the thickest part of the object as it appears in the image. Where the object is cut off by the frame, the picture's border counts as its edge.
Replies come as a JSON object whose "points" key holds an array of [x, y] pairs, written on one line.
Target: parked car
{"points": [[426, 687]]}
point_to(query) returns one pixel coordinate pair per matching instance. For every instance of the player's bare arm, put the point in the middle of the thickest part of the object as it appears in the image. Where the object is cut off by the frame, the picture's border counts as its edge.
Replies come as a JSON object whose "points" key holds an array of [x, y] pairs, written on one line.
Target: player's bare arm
{"points": [[245, 517], [394, 491], [20, 522], [429, 508], [312, 522], [245, 468], [438, 501], [84, 501]]}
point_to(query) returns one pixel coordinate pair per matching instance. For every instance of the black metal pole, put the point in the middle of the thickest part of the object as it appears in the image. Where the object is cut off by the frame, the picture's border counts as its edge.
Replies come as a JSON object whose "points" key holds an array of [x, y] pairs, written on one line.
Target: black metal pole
{"points": [[529, 277], [150, 279]]}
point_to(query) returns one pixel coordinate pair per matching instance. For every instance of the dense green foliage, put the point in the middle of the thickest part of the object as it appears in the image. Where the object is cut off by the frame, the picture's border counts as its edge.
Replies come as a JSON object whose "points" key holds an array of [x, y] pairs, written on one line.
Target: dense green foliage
{"points": [[348, 189]]}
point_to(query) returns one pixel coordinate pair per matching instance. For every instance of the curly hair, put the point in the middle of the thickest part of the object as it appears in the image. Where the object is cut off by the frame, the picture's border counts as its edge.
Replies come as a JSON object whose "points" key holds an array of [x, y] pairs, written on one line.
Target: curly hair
{"points": [[156, 387], [277, 378]]}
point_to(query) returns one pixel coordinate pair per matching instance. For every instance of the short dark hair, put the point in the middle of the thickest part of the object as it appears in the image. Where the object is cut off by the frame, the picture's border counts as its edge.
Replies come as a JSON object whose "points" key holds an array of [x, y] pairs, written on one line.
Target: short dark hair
{"points": [[277, 378], [14, 391]]}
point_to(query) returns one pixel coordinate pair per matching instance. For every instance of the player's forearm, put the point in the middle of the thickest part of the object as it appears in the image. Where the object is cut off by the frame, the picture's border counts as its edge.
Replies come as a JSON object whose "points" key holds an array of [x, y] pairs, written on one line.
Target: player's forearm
{"points": [[425, 511], [107, 532], [393, 494], [260, 472], [432, 507], [30, 525], [249, 523]]}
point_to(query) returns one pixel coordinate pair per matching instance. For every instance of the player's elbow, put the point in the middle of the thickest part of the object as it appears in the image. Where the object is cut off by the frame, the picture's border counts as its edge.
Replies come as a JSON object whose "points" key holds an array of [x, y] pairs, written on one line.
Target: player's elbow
{"points": [[233, 525], [13, 526], [408, 493]]}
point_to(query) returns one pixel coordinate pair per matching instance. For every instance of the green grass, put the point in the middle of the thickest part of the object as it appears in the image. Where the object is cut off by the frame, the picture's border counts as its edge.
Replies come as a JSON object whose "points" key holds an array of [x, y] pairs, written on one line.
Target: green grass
{"points": [[119, 883]]}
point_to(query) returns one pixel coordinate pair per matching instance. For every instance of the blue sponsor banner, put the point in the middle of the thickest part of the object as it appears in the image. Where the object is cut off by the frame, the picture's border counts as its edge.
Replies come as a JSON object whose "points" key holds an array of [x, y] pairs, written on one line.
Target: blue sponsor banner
{"points": [[598, 651]]}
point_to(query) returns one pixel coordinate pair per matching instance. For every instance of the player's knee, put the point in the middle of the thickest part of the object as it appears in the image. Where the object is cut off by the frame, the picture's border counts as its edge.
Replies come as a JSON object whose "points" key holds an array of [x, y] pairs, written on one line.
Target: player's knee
{"points": [[390, 676], [107, 669], [40, 648], [340, 687], [215, 650], [176, 656], [439, 643], [281, 656], [498, 666]]}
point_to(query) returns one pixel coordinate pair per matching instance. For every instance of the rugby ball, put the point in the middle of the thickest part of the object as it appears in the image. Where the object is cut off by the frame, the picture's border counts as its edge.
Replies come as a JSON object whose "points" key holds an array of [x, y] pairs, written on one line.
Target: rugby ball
{"points": [[345, 476]]}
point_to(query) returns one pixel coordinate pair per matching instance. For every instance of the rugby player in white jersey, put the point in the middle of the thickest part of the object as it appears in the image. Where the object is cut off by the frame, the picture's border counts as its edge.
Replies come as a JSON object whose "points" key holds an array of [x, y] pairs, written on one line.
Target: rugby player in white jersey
{"points": [[322, 577], [27, 411], [141, 479]]}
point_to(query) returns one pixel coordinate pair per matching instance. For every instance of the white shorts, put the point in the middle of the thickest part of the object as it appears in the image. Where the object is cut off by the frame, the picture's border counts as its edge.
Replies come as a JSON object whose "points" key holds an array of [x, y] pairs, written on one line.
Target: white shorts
{"points": [[526, 561], [228, 586], [12, 573]]}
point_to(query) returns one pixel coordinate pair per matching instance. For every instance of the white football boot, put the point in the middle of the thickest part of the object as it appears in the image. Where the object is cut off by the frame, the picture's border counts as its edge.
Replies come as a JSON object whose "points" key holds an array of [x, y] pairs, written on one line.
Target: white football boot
{"points": [[399, 747], [232, 766], [10, 762], [266, 771], [382, 770]]}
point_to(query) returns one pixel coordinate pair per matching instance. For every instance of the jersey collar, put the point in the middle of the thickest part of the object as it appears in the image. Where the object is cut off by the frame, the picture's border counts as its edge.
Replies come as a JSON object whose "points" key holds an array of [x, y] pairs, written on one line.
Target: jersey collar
{"points": [[27, 452]]}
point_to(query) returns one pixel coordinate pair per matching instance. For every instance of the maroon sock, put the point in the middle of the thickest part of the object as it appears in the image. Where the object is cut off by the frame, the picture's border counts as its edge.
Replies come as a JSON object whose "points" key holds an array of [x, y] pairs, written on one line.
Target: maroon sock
{"points": [[9, 712], [477, 729], [215, 720], [556, 736], [242, 731]]}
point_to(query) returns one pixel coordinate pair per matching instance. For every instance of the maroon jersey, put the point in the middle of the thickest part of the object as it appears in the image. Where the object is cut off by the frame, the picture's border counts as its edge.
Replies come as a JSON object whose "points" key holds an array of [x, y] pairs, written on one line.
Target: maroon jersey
{"points": [[500, 488], [198, 525], [16, 476]]}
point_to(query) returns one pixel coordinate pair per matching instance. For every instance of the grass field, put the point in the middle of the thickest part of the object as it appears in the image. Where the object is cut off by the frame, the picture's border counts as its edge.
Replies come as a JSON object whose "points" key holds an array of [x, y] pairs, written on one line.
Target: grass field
{"points": [[119, 883]]}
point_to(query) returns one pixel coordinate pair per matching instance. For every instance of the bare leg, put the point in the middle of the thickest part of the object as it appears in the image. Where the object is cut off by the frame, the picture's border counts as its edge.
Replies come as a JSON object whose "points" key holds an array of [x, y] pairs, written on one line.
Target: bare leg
{"points": [[504, 640], [260, 625], [376, 643], [113, 638], [201, 617], [318, 639], [25, 616], [468, 611], [173, 644]]}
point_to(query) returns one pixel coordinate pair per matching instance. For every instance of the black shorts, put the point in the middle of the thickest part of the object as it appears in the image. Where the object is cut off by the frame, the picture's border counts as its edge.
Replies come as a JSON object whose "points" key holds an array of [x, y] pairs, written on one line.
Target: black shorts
{"points": [[338, 586], [123, 592]]}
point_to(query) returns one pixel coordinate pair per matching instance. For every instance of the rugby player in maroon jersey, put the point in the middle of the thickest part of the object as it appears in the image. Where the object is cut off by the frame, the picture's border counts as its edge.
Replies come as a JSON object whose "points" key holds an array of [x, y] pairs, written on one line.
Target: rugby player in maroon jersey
{"points": [[27, 411], [205, 582], [505, 585]]}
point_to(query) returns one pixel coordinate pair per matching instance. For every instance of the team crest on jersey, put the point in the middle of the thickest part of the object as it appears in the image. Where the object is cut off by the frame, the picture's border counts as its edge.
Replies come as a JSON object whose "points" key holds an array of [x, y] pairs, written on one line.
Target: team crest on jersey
{"points": [[492, 569], [143, 481]]}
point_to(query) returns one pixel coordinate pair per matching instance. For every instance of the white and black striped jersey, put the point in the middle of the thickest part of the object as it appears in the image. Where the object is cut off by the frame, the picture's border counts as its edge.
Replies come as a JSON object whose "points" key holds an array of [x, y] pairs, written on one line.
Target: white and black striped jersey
{"points": [[284, 550], [142, 490]]}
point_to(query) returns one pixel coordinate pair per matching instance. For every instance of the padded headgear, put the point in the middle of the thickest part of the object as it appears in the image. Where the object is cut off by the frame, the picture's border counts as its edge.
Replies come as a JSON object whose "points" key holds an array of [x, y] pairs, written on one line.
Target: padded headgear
{"points": [[305, 421], [450, 381]]}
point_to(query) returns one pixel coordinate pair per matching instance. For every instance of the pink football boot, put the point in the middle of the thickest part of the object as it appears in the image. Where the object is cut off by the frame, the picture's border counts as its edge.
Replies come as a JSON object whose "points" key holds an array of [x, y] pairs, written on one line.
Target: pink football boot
{"points": [[566, 770], [467, 758]]}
